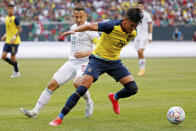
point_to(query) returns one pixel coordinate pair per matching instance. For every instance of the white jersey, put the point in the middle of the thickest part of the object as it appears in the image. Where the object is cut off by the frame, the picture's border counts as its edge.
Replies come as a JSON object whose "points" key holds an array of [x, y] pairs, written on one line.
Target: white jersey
{"points": [[142, 28], [82, 42], [75, 67]]}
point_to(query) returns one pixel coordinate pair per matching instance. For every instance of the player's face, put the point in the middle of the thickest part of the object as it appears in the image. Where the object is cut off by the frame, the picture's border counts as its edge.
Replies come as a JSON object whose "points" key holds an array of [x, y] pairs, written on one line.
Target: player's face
{"points": [[10, 10], [141, 7], [79, 17], [129, 26]]}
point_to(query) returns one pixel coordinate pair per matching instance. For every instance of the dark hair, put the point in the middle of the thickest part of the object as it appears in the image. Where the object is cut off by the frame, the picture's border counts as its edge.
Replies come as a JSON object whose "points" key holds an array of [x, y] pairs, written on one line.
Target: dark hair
{"points": [[140, 2], [135, 15], [80, 8], [10, 5]]}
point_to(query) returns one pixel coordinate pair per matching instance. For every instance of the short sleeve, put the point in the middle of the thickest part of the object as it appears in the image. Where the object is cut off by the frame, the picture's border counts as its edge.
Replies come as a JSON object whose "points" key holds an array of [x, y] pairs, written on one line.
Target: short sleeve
{"points": [[106, 27], [17, 21]]}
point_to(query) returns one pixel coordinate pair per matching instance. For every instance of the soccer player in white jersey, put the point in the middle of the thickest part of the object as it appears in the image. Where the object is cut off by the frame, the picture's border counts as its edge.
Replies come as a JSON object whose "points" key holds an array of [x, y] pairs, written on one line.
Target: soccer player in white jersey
{"points": [[82, 45], [144, 36]]}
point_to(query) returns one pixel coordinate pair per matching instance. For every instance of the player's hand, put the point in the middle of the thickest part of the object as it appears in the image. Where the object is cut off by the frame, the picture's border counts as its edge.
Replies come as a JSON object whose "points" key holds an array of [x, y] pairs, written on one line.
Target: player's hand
{"points": [[150, 37], [12, 40], [3, 38], [66, 33], [80, 54]]}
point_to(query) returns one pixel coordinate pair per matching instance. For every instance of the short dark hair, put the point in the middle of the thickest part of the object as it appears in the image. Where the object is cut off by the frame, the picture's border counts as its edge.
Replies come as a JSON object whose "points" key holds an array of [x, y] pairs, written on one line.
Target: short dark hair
{"points": [[140, 2], [10, 5], [135, 15], [79, 8]]}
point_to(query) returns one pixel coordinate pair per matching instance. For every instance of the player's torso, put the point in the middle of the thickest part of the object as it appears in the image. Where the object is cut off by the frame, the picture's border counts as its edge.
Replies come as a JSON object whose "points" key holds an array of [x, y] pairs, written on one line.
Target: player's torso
{"points": [[142, 28], [110, 45], [80, 42], [11, 30]]}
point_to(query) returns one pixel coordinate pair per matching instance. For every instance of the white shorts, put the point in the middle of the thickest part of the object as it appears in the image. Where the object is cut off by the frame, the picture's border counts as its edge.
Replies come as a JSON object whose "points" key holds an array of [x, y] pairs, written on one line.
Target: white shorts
{"points": [[69, 70], [140, 43]]}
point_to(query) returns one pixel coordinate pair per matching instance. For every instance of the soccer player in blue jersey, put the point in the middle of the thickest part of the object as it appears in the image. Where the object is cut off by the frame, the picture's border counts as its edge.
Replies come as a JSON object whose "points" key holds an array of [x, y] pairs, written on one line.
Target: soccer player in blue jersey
{"points": [[12, 39], [105, 59]]}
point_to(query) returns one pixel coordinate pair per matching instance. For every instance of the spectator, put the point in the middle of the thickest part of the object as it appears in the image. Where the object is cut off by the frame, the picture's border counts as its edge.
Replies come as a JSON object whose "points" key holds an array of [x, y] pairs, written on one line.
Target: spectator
{"points": [[194, 36], [177, 35], [166, 11]]}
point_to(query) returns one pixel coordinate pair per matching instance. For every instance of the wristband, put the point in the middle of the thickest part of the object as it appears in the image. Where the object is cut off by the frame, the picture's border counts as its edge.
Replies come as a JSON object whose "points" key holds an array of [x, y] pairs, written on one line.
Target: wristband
{"points": [[150, 36], [14, 37]]}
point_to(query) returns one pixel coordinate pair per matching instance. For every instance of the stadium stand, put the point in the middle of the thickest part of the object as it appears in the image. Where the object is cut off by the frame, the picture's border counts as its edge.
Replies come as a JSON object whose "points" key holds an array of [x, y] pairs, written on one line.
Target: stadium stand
{"points": [[164, 12], [43, 20]]}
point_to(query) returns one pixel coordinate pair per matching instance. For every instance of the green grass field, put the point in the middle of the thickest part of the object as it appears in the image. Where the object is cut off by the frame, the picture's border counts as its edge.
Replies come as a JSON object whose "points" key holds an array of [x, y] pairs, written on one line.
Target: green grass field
{"points": [[168, 82]]}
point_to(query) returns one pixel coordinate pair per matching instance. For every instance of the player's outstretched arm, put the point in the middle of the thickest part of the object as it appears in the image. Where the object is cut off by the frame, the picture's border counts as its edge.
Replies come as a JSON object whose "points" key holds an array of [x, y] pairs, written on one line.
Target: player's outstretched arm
{"points": [[90, 27]]}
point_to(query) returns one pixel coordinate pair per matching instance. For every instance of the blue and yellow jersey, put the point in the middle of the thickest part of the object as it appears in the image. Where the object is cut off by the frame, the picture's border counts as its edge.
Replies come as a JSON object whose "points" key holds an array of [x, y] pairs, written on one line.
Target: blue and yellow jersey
{"points": [[11, 24], [112, 40]]}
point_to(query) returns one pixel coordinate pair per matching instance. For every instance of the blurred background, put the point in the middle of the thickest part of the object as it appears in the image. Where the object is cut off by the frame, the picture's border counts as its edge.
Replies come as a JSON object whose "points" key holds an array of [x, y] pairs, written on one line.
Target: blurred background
{"points": [[42, 20]]}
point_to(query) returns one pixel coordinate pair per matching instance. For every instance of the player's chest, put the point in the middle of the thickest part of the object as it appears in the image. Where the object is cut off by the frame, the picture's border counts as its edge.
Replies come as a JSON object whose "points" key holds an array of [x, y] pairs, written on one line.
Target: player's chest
{"points": [[79, 36], [10, 22]]}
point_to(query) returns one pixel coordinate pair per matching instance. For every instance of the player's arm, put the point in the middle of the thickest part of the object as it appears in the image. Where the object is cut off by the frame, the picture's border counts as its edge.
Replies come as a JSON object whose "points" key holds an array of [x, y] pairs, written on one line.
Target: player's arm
{"points": [[19, 30], [150, 27], [90, 27], [106, 27], [150, 31]]}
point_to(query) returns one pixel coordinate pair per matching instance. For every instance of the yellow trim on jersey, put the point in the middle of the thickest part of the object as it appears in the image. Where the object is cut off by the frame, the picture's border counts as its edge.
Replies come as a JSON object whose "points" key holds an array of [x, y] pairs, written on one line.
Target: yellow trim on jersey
{"points": [[11, 30], [110, 45]]}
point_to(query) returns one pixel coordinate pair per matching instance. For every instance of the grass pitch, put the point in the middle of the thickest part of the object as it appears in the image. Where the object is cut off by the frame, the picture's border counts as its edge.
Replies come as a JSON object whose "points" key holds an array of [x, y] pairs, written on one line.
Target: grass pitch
{"points": [[168, 82]]}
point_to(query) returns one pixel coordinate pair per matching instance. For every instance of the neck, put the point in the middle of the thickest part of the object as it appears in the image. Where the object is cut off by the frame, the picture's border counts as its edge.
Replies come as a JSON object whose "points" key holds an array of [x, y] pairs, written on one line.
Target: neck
{"points": [[123, 27]]}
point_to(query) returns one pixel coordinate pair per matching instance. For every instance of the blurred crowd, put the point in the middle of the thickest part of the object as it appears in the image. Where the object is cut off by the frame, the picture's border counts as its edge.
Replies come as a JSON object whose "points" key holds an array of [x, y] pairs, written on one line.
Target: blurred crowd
{"points": [[164, 12]]}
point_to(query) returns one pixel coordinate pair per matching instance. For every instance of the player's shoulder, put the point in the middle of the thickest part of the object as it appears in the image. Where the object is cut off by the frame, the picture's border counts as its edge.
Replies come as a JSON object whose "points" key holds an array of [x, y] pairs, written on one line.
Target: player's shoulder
{"points": [[7, 17], [116, 22], [146, 13]]}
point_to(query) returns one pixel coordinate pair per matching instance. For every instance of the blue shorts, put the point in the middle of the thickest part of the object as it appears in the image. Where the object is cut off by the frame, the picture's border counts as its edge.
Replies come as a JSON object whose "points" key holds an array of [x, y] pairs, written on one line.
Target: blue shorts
{"points": [[97, 67], [12, 48]]}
